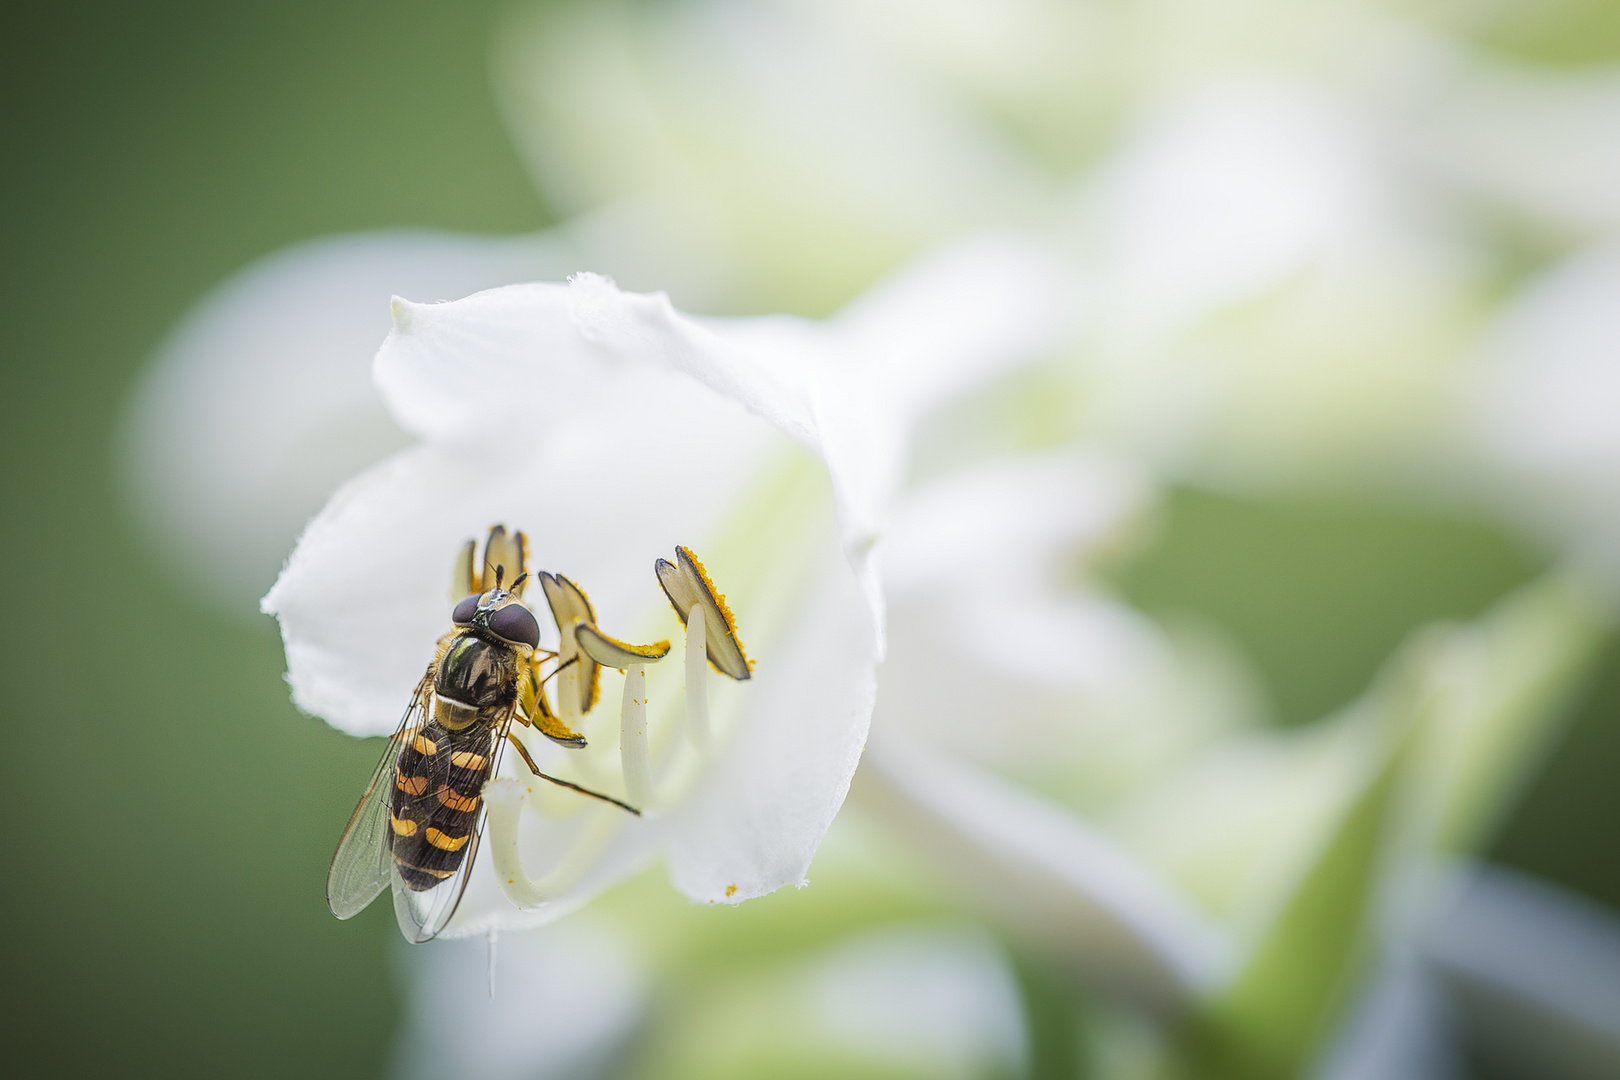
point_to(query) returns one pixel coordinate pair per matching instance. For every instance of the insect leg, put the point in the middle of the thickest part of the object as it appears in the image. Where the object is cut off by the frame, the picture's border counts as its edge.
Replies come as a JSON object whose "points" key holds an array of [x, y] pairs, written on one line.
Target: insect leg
{"points": [[529, 761]]}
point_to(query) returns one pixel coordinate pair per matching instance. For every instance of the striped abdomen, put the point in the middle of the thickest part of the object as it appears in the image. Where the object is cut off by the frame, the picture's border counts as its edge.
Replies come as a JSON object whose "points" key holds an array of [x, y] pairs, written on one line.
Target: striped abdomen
{"points": [[438, 780]]}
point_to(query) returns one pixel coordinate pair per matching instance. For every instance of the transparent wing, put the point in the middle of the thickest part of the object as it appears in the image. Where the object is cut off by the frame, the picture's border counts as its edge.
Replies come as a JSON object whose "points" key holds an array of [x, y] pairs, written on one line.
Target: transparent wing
{"points": [[423, 914], [362, 865]]}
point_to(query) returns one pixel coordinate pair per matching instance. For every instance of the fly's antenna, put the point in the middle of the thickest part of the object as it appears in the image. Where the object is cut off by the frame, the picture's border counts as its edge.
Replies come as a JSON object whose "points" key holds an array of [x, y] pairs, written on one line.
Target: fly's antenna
{"points": [[500, 572], [521, 578]]}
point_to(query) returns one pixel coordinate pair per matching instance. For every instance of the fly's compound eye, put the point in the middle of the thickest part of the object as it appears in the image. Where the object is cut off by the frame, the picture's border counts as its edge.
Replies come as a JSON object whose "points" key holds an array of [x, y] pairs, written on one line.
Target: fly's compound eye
{"points": [[515, 623], [465, 610]]}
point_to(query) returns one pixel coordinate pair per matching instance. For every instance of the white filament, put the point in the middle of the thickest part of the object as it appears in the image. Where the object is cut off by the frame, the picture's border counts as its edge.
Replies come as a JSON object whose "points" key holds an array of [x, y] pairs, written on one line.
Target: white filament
{"points": [[504, 797], [697, 684], [633, 753], [490, 937]]}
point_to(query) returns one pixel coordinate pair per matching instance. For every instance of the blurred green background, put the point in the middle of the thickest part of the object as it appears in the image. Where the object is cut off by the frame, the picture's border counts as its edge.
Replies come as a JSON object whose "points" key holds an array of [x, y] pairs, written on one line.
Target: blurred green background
{"points": [[167, 914]]}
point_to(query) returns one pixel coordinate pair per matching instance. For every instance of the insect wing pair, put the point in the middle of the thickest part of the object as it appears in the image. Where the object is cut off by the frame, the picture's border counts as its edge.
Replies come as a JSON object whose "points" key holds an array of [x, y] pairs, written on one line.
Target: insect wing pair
{"points": [[365, 865]]}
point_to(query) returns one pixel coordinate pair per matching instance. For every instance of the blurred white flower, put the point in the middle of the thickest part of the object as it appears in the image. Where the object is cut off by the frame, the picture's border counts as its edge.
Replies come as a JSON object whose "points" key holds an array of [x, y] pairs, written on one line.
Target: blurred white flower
{"points": [[1290, 219], [560, 1003], [261, 402], [1099, 788], [1543, 401]]}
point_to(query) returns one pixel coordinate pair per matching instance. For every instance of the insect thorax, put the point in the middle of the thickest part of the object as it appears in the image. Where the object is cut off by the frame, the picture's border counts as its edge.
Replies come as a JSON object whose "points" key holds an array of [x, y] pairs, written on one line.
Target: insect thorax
{"points": [[476, 679]]}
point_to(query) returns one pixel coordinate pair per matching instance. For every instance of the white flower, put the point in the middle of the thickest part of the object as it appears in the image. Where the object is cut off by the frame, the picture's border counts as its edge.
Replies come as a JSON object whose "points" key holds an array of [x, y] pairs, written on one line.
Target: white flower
{"points": [[1289, 218], [583, 979], [1102, 789], [1268, 297], [611, 429], [1542, 403]]}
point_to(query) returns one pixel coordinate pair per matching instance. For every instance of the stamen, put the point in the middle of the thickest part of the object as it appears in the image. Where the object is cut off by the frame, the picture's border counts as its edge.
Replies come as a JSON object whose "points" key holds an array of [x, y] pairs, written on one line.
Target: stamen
{"points": [[611, 652], [508, 550], [697, 685], [633, 660], [568, 669], [577, 686], [633, 754], [689, 589], [463, 582], [504, 797]]}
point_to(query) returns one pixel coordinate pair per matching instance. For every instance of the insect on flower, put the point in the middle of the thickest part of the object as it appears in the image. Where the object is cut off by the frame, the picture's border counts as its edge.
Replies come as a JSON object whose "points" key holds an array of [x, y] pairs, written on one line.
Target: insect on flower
{"points": [[420, 821]]}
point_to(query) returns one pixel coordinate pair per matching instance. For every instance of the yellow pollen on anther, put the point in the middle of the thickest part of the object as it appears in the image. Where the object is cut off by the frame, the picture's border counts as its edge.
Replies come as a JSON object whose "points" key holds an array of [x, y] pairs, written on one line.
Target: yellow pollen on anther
{"points": [[719, 601]]}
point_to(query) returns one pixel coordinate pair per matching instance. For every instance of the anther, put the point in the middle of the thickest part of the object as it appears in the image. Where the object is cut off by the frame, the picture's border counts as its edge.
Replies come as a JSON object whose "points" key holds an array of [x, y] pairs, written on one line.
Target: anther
{"points": [[689, 589], [577, 685], [711, 637], [697, 685]]}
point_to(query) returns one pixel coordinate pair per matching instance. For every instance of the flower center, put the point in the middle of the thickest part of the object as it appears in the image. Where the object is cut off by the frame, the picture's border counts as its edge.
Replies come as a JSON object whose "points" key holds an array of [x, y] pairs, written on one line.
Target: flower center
{"points": [[571, 676]]}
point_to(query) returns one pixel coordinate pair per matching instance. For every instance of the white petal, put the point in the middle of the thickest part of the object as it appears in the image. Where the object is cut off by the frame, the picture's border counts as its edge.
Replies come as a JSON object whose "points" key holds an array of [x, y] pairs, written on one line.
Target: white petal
{"points": [[845, 390], [954, 318], [1537, 137], [761, 132], [1011, 525], [1047, 872], [260, 403], [999, 656], [1544, 400], [363, 598], [753, 823], [446, 368], [1537, 971], [1221, 195], [583, 979], [940, 1001]]}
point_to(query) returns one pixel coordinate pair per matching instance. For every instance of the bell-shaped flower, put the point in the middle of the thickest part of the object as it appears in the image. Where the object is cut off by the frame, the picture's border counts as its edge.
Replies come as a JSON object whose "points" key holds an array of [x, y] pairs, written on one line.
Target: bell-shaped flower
{"points": [[615, 432]]}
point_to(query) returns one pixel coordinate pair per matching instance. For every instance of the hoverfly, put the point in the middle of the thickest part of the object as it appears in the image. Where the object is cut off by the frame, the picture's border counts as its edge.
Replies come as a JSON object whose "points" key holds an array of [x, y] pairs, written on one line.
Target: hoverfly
{"points": [[418, 825]]}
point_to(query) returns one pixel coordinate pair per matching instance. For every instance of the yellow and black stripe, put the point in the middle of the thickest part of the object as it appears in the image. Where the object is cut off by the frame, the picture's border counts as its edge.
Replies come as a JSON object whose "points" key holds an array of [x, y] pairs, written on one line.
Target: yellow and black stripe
{"points": [[433, 809]]}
